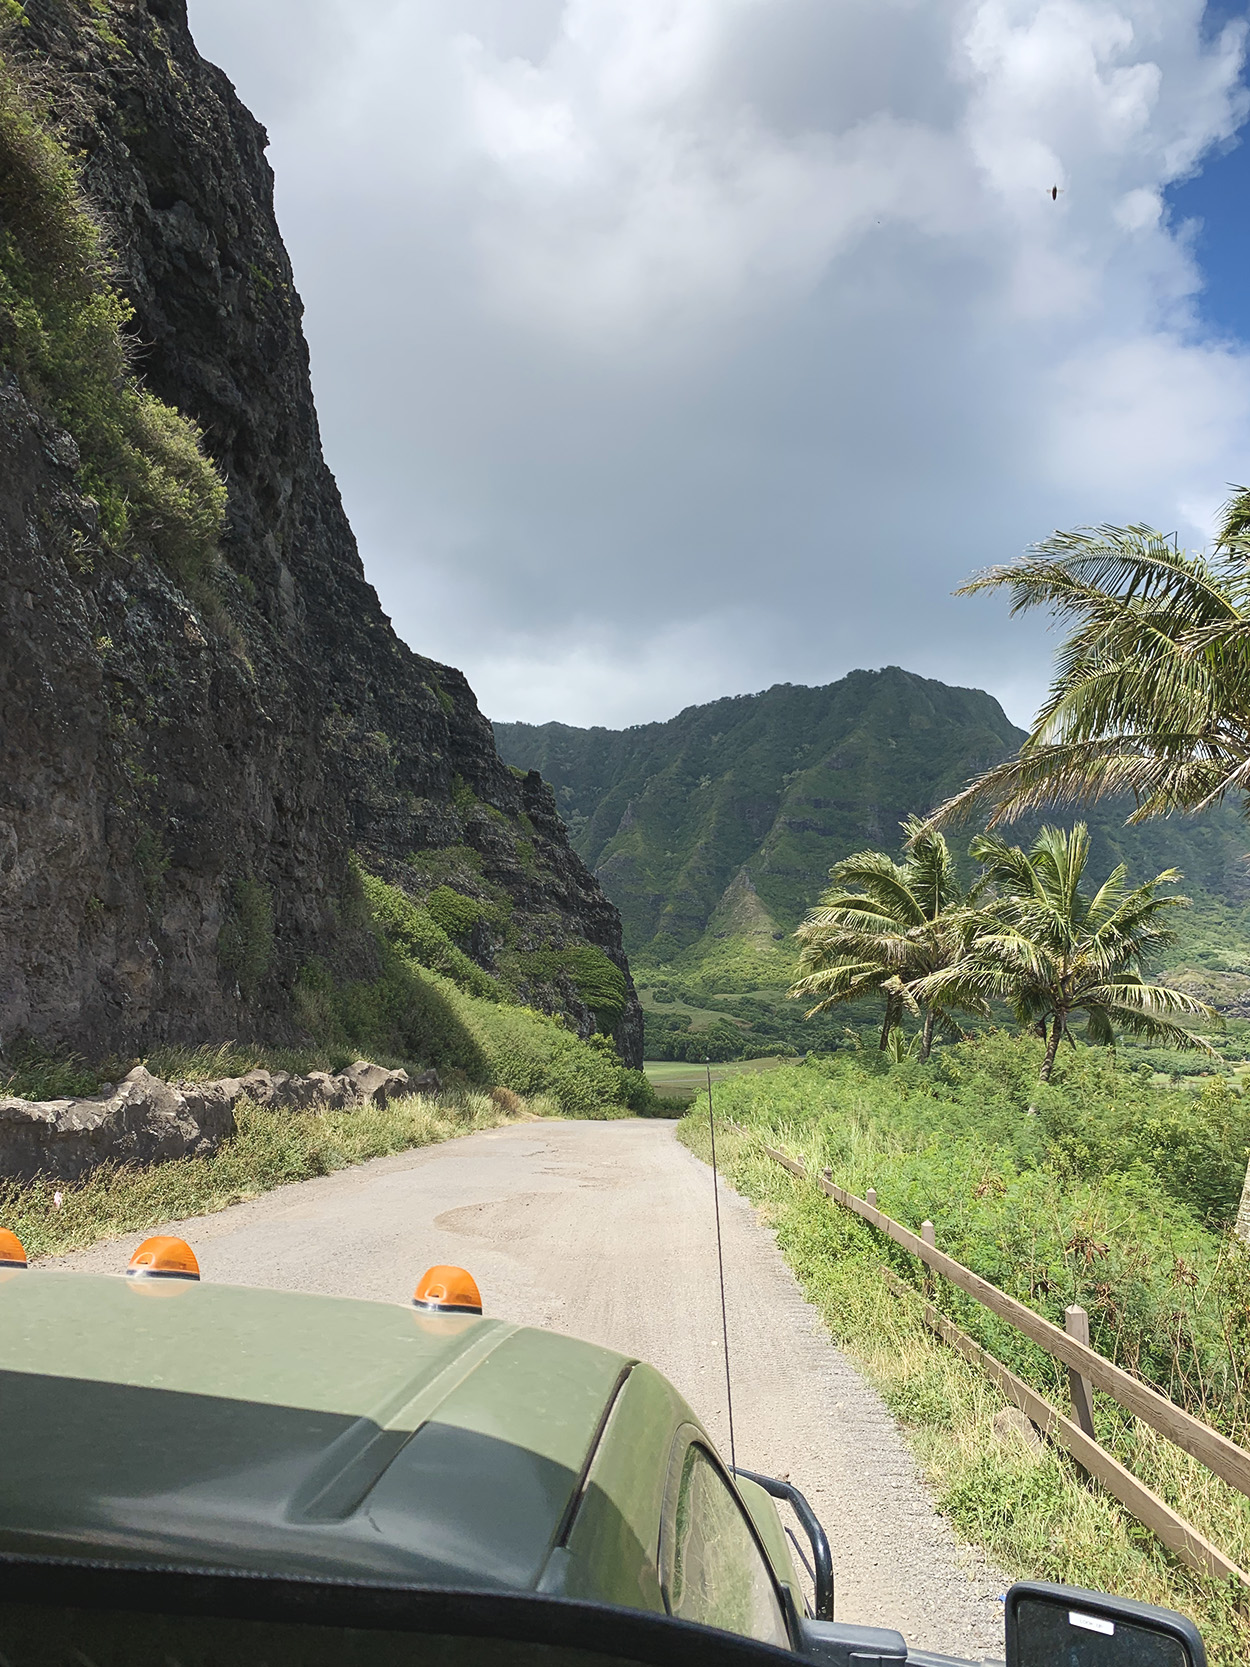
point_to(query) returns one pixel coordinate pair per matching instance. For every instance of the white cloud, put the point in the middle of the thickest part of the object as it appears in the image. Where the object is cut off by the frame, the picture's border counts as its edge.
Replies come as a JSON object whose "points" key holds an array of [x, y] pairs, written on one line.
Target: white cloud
{"points": [[669, 347]]}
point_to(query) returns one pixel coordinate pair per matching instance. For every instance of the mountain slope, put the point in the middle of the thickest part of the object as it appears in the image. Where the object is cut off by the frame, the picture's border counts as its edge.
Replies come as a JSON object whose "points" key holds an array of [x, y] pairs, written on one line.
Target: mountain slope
{"points": [[715, 831], [741, 805], [189, 760]]}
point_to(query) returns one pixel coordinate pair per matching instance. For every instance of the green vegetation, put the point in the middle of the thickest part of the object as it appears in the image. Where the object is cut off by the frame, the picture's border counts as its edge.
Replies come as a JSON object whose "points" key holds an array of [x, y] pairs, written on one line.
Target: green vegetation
{"points": [[719, 827], [1152, 693], [270, 1149], [1025, 934], [420, 938], [1052, 952], [677, 1084], [245, 943], [430, 1004], [597, 981], [457, 914], [457, 902], [732, 815], [714, 831], [685, 1021], [62, 329], [886, 928], [1116, 1195], [426, 1004]]}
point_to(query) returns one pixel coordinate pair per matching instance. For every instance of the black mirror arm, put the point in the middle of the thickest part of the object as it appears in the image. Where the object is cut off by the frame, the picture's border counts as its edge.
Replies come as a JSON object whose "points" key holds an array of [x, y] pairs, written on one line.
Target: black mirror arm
{"points": [[926, 1658], [822, 1558]]}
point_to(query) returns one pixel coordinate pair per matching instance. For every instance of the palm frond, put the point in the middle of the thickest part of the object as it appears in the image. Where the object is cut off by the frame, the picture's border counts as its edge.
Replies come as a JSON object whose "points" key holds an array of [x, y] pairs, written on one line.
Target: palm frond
{"points": [[1130, 994]]}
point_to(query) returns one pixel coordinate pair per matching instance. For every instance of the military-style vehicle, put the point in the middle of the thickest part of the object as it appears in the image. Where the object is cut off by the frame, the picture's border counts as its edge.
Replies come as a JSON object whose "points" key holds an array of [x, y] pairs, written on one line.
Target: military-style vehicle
{"points": [[215, 1476]]}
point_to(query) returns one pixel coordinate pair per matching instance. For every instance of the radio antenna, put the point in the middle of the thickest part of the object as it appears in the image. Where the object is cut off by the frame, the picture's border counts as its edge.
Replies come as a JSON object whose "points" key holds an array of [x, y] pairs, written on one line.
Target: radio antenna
{"points": [[720, 1268]]}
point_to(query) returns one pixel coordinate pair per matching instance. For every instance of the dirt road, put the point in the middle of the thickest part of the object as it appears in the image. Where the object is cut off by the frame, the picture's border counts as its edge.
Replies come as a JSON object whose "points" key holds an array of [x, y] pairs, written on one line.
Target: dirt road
{"points": [[605, 1231]]}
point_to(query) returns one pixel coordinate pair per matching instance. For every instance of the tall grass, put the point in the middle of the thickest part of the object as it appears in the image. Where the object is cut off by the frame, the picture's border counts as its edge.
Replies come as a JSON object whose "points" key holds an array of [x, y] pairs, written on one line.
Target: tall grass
{"points": [[270, 1149], [1166, 1291]]}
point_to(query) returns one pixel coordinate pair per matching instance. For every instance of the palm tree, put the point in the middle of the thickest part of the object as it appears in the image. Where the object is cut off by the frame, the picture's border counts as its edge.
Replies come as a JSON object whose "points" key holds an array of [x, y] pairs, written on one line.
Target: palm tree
{"points": [[1151, 695], [1052, 952], [883, 925]]}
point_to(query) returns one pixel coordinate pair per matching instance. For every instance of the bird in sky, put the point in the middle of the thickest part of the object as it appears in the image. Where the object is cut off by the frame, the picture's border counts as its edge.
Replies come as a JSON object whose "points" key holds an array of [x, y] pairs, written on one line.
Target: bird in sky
{"points": [[1054, 193]]}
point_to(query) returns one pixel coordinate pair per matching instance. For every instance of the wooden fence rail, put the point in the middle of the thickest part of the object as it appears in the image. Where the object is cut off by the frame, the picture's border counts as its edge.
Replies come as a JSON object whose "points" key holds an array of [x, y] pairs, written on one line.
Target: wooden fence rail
{"points": [[1221, 1456]]}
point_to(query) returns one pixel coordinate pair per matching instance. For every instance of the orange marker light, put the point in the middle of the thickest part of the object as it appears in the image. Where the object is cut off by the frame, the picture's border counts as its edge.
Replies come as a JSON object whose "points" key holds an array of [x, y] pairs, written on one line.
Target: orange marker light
{"points": [[164, 1258], [447, 1291], [11, 1253]]}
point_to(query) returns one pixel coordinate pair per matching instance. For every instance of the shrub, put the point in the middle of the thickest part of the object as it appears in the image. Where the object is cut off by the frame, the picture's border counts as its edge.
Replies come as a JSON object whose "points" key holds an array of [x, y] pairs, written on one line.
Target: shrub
{"points": [[1035, 1513], [62, 329], [598, 981], [419, 937], [245, 943], [454, 913], [638, 1094]]}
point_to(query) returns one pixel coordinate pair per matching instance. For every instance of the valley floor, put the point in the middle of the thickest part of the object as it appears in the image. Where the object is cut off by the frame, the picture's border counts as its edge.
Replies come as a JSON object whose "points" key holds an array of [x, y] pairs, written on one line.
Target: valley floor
{"points": [[605, 1231]]}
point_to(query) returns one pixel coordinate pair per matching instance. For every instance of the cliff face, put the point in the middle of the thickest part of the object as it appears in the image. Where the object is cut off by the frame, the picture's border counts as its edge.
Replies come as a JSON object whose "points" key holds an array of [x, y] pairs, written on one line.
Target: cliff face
{"points": [[184, 775]]}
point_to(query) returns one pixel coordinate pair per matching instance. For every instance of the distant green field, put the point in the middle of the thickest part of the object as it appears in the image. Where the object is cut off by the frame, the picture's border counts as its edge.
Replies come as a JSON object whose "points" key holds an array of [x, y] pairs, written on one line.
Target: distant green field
{"points": [[675, 1080]]}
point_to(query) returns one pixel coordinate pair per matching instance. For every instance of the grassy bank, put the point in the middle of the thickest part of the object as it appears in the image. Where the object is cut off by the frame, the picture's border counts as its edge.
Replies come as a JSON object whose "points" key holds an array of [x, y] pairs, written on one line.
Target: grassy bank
{"points": [[430, 1004], [1116, 1195], [270, 1149]]}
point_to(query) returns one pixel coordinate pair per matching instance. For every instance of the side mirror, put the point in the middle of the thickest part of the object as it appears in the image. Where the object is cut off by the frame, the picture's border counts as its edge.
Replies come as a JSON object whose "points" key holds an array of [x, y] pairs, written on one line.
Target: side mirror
{"points": [[1062, 1626]]}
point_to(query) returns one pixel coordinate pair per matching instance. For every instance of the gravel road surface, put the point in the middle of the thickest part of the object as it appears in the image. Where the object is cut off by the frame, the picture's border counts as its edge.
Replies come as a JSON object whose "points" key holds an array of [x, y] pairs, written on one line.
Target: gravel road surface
{"points": [[605, 1231]]}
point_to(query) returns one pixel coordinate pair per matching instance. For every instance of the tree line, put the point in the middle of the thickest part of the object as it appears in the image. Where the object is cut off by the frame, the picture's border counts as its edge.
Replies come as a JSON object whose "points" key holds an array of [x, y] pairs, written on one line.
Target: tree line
{"points": [[1025, 933], [1150, 699]]}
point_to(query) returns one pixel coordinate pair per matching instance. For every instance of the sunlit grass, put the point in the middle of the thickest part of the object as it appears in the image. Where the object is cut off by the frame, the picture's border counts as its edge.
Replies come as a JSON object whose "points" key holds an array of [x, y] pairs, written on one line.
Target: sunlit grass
{"points": [[1035, 1513]]}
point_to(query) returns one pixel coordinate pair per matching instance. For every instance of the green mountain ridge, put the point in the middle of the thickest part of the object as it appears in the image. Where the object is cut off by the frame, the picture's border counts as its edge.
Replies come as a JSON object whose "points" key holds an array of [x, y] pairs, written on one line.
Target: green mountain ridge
{"points": [[714, 831], [772, 786]]}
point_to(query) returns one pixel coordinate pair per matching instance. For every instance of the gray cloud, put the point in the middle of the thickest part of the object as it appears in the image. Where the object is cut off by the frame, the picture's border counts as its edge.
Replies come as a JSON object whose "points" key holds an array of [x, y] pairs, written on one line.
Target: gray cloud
{"points": [[669, 348]]}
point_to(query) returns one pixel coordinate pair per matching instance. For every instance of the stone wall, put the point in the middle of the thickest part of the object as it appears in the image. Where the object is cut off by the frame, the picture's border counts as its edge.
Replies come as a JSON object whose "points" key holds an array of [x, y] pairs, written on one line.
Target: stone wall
{"points": [[145, 1121]]}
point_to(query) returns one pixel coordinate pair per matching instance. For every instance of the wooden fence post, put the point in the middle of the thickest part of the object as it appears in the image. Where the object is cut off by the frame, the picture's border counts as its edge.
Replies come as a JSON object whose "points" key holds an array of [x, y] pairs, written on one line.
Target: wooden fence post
{"points": [[1076, 1324], [928, 1235], [870, 1198], [1224, 1458]]}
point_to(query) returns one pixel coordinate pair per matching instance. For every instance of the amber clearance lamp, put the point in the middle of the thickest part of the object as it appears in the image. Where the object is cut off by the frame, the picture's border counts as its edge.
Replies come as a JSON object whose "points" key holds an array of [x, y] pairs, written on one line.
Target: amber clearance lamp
{"points": [[163, 1258], [446, 1290]]}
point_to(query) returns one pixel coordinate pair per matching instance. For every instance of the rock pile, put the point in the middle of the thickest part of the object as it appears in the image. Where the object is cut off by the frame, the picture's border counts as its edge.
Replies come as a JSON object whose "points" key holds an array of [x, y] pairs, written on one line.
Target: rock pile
{"points": [[145, 1121]]}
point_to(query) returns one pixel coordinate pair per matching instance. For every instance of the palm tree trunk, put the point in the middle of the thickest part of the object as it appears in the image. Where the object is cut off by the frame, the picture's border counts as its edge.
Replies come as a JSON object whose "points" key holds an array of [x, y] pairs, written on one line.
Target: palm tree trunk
{"points": [[1052, 1048], [891, 1019], [926, 1041]]}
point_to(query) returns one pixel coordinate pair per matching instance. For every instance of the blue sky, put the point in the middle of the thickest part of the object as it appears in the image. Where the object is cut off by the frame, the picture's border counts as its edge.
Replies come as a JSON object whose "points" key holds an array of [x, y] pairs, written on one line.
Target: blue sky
{"points": [[1219, 197]]}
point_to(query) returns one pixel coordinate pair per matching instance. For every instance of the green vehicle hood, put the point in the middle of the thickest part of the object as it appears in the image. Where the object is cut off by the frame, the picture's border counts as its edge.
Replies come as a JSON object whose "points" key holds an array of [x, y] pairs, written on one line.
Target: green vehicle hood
{"points": [[250, 1429]]}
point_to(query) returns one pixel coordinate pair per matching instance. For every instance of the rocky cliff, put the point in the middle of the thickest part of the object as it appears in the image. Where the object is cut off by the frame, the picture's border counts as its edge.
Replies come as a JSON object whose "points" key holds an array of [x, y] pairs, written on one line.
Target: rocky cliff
{"points": [[186, 767]]}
